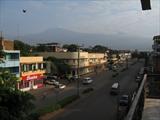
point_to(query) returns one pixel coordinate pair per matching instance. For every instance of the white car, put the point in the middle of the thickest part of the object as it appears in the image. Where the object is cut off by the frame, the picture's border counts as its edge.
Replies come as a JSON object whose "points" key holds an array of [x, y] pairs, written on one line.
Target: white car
{"points": [[61, 86], [115, 89], [54, 82], [87, 80]]}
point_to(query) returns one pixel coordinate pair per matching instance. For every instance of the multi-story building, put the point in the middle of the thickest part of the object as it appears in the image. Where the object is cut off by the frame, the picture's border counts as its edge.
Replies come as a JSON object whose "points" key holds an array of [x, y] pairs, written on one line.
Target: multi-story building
{"points": [[156, 54], [88, 62], [51, 47], [10, 61], [32, 72], [6, 44]]}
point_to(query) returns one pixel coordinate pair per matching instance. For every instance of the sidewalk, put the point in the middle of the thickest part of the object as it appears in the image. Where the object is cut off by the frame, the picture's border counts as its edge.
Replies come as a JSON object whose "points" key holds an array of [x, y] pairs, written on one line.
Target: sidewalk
{"points": [[50, 88]]}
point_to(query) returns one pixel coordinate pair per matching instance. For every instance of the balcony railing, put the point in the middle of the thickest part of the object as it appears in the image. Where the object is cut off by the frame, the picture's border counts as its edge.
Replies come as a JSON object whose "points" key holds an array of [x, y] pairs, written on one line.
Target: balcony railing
{"points": [[134, 111]]}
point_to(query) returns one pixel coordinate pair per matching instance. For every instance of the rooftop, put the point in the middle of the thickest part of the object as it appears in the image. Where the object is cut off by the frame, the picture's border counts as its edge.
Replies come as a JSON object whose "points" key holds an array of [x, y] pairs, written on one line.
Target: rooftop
{"points": [[156, 37], [151, 109]]}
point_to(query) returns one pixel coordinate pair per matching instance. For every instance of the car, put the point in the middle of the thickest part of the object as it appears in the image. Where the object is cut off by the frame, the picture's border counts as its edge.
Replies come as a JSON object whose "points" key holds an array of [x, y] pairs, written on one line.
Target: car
{"points": [[124, 103], [115, 89], [61, 86], [51, 82], [48, 82], [75, 77], [138, 79], [54, 82], [87, 80]]}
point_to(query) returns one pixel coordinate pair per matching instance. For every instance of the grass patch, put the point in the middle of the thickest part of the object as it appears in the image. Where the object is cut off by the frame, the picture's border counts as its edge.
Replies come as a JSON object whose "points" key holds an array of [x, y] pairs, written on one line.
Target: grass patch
{"points": [[56, 106], [67, 100], [87, 90]]}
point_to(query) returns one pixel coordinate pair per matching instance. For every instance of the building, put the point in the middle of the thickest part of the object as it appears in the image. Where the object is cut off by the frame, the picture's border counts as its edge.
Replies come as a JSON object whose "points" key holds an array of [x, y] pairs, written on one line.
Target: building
{"points": [[6, 44], [51, 47], [88, 62], [156, 54], [10, 61], [32, 73]]}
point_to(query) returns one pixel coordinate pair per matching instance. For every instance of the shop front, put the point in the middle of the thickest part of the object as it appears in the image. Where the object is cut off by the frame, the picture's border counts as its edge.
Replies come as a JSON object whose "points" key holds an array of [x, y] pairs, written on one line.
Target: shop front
{"points": [[30, 82]]}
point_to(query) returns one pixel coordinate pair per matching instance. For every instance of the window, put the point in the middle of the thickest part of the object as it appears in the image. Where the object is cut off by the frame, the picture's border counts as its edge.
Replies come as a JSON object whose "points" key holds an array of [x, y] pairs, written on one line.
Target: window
{"points": [[30, 67], [23, 84], [14, 70], [38, 81]]}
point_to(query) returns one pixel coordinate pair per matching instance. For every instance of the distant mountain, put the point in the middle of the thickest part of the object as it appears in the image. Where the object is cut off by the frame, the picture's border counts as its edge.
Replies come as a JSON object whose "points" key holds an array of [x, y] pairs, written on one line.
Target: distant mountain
{"points": [[65, 36]]}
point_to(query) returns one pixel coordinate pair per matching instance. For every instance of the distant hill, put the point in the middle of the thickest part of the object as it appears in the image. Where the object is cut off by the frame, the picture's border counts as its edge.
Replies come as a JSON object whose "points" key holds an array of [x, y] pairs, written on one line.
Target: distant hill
{"points": [[65, 36]]}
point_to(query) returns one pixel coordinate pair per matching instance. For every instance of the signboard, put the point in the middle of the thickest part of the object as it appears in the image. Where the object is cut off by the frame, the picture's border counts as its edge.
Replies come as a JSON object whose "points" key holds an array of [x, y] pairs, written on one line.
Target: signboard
{"points": [[32, 77]]}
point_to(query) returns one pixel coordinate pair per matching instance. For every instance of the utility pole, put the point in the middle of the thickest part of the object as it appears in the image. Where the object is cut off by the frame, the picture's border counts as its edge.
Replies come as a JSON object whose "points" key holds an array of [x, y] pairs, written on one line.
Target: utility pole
{"points": [[127, 62], [1, 38], [78, 71]]}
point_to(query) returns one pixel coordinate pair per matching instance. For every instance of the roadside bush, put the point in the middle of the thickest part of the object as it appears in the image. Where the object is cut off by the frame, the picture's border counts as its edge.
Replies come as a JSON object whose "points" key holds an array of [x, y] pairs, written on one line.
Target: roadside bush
{"points": [[87, 90], [67, 100], [56, 106], [48, 109]]}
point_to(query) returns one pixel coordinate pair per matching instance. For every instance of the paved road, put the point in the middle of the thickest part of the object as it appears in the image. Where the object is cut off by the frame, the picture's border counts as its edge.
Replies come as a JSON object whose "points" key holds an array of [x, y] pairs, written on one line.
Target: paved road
{"points": [[100, 104]]}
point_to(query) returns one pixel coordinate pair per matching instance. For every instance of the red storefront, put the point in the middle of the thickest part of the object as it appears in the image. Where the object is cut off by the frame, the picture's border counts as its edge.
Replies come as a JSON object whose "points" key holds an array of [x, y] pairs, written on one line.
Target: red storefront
{"points": [[33, 81]]}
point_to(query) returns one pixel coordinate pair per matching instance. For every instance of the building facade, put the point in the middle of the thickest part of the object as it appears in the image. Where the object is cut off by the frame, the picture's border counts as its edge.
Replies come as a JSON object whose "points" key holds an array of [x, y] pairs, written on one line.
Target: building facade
{"points": [[32, 73], [156, 54], [88, 62], [11, 61]]}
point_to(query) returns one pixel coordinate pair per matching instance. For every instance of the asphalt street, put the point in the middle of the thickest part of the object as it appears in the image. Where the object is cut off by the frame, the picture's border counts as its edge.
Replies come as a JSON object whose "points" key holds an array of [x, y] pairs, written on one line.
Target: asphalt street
{"points": [[100, 105]]}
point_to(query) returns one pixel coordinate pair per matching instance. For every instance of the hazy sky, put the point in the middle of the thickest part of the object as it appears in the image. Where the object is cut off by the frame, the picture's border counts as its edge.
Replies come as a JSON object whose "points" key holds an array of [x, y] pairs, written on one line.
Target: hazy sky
{"points": [[110, 17]]}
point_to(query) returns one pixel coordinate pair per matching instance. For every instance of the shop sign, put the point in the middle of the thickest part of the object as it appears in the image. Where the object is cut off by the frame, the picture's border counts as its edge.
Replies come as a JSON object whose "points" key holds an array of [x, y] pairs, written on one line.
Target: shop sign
{"points": [[32, 77]]}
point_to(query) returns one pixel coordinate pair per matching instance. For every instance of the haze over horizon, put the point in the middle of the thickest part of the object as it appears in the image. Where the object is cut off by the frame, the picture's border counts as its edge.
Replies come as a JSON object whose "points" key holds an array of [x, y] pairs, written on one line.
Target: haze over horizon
{"points": [[113, 23]]}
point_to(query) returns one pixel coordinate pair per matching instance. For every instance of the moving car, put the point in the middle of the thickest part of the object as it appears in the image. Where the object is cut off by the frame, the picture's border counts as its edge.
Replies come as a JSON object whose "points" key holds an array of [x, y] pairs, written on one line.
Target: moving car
{"points": [[115, 89], [138, 79], [87, 80]]}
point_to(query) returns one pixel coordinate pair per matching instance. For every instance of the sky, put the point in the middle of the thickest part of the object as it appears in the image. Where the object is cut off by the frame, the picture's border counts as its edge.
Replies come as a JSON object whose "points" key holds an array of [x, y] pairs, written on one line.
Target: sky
{"points": [[109, 17]]}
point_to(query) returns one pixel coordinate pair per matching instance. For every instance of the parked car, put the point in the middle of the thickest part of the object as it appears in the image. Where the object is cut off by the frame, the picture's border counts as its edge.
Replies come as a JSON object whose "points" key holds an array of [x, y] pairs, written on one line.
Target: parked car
{"points": [[51, 82], [115, 89], [51, 77], [61, 86], [87, 80], [124, 103], [54, 82], [75, 77]]}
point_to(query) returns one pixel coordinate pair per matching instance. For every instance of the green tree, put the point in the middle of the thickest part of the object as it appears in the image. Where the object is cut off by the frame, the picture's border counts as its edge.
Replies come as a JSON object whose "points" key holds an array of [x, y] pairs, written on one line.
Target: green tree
{"points": [[41, 48], [14, 104], [71, 48], [99, 49], [23, 47], [61, 66]]}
